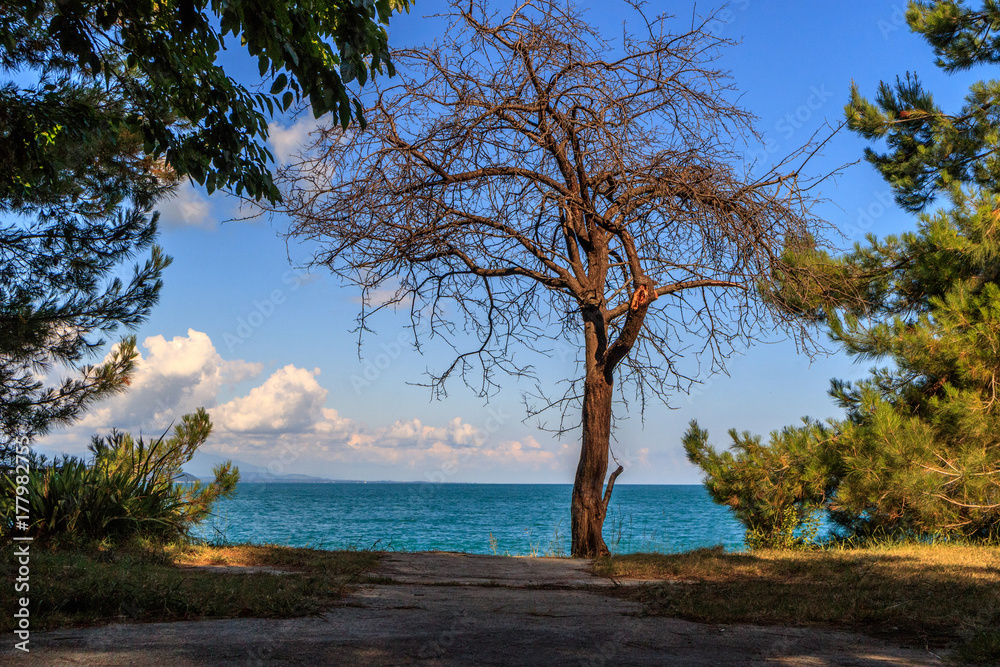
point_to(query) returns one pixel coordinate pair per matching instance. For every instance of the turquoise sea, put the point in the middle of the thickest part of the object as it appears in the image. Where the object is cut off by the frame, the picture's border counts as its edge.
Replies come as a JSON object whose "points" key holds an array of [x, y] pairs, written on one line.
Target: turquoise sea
{"points": [[516, 519]]}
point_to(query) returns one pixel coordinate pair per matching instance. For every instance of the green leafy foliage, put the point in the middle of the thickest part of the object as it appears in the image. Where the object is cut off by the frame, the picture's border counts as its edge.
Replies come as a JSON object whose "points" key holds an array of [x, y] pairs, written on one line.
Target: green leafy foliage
{"points": [[78, 208], [55, 304], [59, 297], [126, 490], [775, 490], [106, 105], [928, 148], [920, 435], [76, 194], [918, 452], [181, 104]]}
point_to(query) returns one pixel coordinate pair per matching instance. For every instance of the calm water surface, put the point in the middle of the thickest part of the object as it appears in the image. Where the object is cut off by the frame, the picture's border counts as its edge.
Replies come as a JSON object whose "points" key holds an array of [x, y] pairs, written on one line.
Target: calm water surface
{"points": [[522, 518]]}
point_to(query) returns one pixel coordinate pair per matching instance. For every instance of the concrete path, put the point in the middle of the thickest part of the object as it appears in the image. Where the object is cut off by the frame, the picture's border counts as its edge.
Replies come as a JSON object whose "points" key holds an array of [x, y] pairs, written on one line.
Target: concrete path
{"points": [[457, 609]]}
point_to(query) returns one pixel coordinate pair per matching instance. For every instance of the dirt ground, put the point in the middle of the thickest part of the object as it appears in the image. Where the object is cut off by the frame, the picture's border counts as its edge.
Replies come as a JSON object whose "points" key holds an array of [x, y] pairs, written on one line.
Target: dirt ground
{"points": [[459, 609]]}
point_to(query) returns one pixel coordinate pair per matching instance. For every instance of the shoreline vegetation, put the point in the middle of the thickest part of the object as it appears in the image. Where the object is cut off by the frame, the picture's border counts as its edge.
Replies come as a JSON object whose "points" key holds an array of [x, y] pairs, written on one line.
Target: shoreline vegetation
{"points": [[944, 598]]}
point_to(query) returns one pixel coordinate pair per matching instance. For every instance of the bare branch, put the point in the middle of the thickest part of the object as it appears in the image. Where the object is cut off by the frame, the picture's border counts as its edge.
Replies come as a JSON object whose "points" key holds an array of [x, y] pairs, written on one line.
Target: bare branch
{"points": [[611, 485], [516, 184]]}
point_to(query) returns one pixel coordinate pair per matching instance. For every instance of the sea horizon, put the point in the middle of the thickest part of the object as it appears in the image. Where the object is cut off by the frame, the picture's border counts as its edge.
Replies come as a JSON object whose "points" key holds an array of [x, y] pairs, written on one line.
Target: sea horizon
{"points": [[473, 517], [618, 485]]}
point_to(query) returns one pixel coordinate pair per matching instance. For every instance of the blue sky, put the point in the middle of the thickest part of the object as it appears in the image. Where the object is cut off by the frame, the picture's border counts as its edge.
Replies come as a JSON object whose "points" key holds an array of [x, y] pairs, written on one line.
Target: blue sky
{"points": [[268, 348]]}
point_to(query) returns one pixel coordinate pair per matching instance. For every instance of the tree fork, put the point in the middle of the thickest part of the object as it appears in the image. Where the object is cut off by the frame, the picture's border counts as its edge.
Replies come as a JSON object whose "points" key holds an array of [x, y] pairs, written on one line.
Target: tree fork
{"points": [[589, 505], [599, 201]]}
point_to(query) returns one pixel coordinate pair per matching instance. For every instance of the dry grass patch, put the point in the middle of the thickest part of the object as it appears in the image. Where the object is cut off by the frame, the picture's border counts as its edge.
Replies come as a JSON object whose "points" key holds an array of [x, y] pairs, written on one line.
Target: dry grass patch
{"points": [[148, 584], [933, 596], [336, 563]]}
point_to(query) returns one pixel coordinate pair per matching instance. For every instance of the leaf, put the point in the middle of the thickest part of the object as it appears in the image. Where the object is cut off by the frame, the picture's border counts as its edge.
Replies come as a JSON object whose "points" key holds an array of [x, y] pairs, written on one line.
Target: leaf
{"points": [[292, 55], [347, 71], [279, 84], [344, 109], [359, 113]]}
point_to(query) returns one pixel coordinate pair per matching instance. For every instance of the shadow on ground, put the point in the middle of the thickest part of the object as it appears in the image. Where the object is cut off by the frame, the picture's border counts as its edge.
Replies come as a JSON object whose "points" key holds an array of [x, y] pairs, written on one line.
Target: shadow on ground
{"points": [[458, 609]]}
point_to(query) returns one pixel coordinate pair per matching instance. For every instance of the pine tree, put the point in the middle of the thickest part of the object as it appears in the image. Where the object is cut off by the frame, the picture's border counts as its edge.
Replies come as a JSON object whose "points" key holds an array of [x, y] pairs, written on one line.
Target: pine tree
{"points": [[775, 490], [76, 192], [66, 232], [106, 104], [919, 450], [921, 443]]}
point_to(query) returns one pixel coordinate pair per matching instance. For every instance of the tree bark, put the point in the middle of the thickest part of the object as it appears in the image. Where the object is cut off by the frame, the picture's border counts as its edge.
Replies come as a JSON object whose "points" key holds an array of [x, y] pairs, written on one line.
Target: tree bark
{"points": [[589, 504]]}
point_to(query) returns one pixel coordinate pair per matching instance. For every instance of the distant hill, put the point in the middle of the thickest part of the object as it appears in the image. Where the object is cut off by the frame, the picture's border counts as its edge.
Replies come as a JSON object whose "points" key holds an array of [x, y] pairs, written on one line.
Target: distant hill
{"points": [[200, 469], [202, 463], [254, 477]]}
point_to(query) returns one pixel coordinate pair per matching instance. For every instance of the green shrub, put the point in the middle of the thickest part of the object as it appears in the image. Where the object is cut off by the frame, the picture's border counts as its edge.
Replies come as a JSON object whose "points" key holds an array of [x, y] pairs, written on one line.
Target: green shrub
{"points": [[778, 490], [128, 489], [794, 530]]}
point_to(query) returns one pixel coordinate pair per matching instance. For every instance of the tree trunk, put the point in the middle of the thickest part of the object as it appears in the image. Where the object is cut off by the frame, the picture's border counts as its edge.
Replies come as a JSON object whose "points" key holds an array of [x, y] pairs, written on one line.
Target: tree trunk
{"points": [[589, 506]]}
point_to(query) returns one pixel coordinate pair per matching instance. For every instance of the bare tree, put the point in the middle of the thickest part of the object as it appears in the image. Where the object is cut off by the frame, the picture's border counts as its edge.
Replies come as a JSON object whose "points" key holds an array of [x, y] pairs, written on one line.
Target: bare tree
{"points": [[545, 181]]}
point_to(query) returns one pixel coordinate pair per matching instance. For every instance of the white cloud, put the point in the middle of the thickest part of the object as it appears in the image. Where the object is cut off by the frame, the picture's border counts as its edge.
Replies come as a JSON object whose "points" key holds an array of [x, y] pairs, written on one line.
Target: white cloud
{"points": [[284, 423], [173, 377], [187, 208], [288, 141], [291, 400], [527, 451], [448, 449], [184, 373]]}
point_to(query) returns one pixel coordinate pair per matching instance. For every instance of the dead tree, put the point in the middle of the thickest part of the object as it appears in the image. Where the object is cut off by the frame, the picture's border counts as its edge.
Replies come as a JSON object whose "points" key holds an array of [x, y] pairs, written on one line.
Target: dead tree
{"points": [[543, 181]]}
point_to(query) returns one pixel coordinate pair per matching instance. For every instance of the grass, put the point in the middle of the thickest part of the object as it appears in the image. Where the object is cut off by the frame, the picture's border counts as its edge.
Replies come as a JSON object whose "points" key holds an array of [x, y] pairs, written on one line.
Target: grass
{"points": [[935, 596], [142, 583]]}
